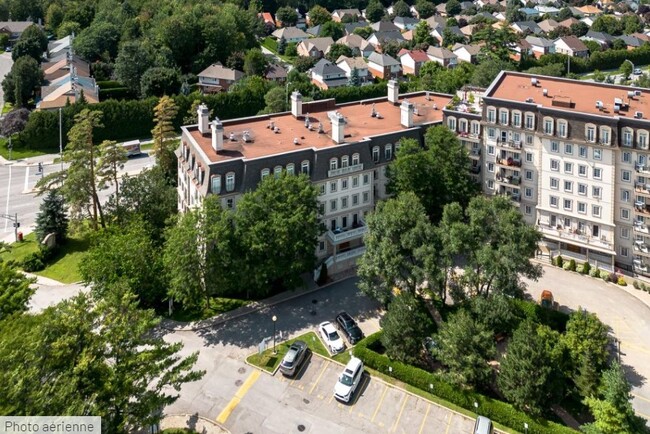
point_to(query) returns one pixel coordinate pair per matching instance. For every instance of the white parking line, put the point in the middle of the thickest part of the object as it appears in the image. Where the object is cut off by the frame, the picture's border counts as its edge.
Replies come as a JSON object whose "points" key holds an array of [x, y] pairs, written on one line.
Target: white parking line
{"points": [[26, 178], [8, 194]]}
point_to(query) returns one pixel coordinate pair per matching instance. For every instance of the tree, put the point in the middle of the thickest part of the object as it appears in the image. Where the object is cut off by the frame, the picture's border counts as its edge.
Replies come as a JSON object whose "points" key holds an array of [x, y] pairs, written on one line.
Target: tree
{"points": [[255, 63], [580, 29], [465, 346], [32, 42], [396, 254], [304, 63], [332, 29], [404, 327], [52, 217], [15, 291], [280, 216], [631, 24], [67, 28], [125, 254], [124, 374], [319, 15], [422, 33], [354, 78], [21, 83], [287, 16], [53, 17], [282, 46], [487, 71], [401, 9], [112, 157], [450, 38], [97, 41], [453, 8], [586, 338], [608, 24], [14, 122], [133, 60], [159, 81], [495, 311], [276, 100], [364, 32], [375, 11], [338, 50], [292, 50], [425, 9], [626, 69], [525, 370], [163, 135]]}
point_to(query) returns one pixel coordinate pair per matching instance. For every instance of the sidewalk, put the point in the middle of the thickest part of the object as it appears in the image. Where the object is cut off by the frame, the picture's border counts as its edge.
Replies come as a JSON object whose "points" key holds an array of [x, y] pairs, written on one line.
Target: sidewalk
{"points": [[192, 422]]}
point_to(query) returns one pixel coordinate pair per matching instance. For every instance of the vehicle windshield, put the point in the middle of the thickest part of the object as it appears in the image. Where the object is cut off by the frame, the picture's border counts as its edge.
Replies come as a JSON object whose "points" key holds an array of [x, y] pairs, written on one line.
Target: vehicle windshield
{"points": [[333, 336], [346, 380]]}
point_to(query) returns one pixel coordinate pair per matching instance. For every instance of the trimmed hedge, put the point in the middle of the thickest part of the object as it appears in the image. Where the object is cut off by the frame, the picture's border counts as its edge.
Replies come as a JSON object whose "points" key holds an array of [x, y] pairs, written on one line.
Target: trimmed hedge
{"points": [[498, 411]]}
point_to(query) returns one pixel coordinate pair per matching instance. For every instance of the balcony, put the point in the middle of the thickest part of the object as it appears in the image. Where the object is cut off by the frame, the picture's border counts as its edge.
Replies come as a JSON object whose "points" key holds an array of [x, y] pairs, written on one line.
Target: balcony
{"points": [[640, 227], [508, 179], [574, 235], [641, 188], [340, 235], [514, 145], [642, 169], [640, 207], [640, 266], [475, 153], [509, 162], [641, 248], [475, 170], [345, 170]]}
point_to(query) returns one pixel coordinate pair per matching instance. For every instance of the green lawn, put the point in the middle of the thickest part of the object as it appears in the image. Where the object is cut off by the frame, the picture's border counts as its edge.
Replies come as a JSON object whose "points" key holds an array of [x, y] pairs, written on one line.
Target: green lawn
{"points": [[217, 305], [7, 107], [269, 361], [20, 251], [18, 153]]}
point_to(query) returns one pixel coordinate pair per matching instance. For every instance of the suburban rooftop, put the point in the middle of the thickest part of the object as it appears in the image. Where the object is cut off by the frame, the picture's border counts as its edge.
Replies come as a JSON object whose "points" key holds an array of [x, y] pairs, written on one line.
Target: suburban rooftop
{"points": [[575, 96], [359, 124]]}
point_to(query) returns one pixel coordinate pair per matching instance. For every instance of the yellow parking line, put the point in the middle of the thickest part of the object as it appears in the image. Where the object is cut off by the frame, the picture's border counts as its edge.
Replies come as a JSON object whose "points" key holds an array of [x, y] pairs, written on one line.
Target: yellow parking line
{"points": [[319, 377], [643, 398], [381, 400], [226, 412], [399, 416], [425, 419], [449, 422]]}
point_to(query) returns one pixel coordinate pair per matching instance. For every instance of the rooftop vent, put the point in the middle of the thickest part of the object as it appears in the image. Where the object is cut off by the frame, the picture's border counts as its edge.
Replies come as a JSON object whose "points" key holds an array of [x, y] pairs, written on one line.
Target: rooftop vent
{"points": [[562, 101], [545, 92], [637, 93], [296, 141], [232, 137], [599, 105], [246, 137], [276, 130], [638, 115], [529, 99], [630, 94], [320, 128], [617, 108], [533, 81]]}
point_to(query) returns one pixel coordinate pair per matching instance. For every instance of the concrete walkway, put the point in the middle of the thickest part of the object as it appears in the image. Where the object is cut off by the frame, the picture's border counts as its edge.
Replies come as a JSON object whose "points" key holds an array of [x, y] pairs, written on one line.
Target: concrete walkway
{"points": [[193, 422]]}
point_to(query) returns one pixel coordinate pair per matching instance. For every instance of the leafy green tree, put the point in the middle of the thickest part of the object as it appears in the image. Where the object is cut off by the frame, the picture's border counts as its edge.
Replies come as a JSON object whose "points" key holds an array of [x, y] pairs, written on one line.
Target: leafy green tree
{"points": [[67, 28], [52, 217], [587, 378], [375, 11], [401, 9], [453, 8], [20, 10], [319, 15], [465, 347], [631, 23], [608, 24], [133, 60], [255, 63], [580, 29], [425, 8], [586, 338], [159, 81], [396, 248], [164, 135], [22, 81], [435, 77], [280, 216], [487, 71], [525, 370], [422, 33], [364, 32], [497, 46], [404, 327], [287, 16], [292, 49], [15, 291], [27, 47], [54, 17], [626, 69], [112, 157], [304, 63], [496, 312], [332, 29], [338, 50], [99, 40], [276, 100], [125, 254]]}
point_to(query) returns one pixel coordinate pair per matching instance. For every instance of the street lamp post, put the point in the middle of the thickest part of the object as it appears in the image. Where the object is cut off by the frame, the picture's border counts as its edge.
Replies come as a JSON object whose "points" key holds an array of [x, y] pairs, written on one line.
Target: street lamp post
{"points": [[274, 319], [60, 139], [526, 427]]}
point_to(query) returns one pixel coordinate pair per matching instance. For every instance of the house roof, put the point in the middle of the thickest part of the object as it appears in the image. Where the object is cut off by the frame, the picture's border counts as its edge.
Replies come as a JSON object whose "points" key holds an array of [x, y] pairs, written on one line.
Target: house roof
{"points": [[436, 21], [290, 33], [217, 70], [352, 62], [267, 17], [589, 10], [342, 12], [349, 27], [548, 25], [569, 21], [539, 42], [473, 50], [315, 30], [528, 25], [598, 36], [440, 53], [631, 41], [573, 42], [55, 70], [384, 26], [321, 44], [273, 72], [15, 26], [416, 55], [406, 21], [391, 35], [355, 41], [67, 91], [382, 59], [325, 68]]}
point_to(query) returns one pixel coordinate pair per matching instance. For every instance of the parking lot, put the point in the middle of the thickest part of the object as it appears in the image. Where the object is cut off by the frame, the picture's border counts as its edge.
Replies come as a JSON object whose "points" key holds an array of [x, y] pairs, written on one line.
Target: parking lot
{"points": [[375, 407]]}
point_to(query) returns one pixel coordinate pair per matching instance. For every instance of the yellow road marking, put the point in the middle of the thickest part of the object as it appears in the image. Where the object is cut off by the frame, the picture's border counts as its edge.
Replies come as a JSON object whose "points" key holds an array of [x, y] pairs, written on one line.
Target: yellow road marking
{"points": [[635, 347], [643, 398], [449, 423], [331, 398], [319, 377], [381, 400], [399, 416], [226, 412], [643, 415], [425, 419]]}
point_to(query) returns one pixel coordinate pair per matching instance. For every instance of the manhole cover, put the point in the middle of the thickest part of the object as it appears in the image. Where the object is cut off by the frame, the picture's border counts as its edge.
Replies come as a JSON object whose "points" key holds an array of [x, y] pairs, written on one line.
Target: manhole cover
{"points": [[241, 370], [314, 301], [238, 383], [313, 313], [301, 428], [305, 400]]}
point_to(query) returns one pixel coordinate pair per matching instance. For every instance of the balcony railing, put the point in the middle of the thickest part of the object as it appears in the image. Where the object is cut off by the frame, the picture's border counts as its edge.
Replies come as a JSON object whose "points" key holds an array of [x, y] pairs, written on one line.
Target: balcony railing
{"points": [[475, 169], [642, 188], [641, 228], [641, 207], [575, 235], [641, 247], [642, 169], [475, 152], [508, 179], [510, 162], [341, 235], [509, 144], [353, 253], [345, 170]]}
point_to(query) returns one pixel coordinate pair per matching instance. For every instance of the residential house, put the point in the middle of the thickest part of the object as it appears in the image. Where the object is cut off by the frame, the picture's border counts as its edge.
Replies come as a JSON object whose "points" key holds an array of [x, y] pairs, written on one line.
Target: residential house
{"points": [[14, 29], [526, 27], [339, 14], [348, 64], [68, 89], [406, 23], [604, 39], [268, 20], [384, 26], [383, 66], [441, 9], [59, 49], [590, 11], [276, 73], [521, 48], [465, 5], [443, 56], [69, 64], [540, 46], [378, 39], [412, 60], [551, 11], [349, 27], [408, 35], [290, 34], [438, 33], [468, 30], [576, 12], [569, 22], [529, 13], [466, 52], [218, 78], [589, 21], [357, 43], [571, 46], [631, 41], [548, 25], [315, 47], [436, 21], [315, 30], [327, 75]]}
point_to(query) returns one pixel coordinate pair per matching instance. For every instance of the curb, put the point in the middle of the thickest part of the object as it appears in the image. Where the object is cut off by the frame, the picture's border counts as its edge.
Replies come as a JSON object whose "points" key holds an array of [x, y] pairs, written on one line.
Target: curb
{"points": [[215, 321], [167, 422]]}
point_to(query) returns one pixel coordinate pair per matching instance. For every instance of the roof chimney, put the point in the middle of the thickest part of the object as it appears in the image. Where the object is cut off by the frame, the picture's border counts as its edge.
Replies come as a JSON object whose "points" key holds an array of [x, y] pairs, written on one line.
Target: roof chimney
{"points": [[393, 91], [338, 128], [203, 115], [407, 110], [296, 104], [217, 134]]}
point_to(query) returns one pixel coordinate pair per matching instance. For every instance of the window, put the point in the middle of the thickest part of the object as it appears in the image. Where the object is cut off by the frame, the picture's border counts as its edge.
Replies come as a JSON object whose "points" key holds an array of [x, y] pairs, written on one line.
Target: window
{"points": [[321, 245], [582, 151], [530, 121], [344, 184], [625, 214], [355, 159], [555, 165], [529, 157], [516, 119], [230, 203], [568, 167], [344, 202], [366, 197], [590, 133], [598, 154], [451, 123], [553, 201], [462, 127], [304, 167], [333, 205], [625, 195], [355, 181], [230, 182], [529, 139], [582, 189], [627, 136], [582, 208], [548, 126], [595, 210], [626, 175], [596, 192], [265, 173], [375, 154], [625, 233], [216, 184], [582, 170], [291, 168], [333, 186], [562, 128], [528, 192], [555, 146], [366, 178], [388, 151], [568, 148], [321, 189], [355, 199], [626, 157], [568, 186], [490, 167], [604, 135], [490, 150], [491, 115], [490, 184], [528, 175], [334, 164], [642, 139], [321, 208], [492, 133], [568, 204], [555, 183], [476, 128], [624, 251], [277, 171], [503, 117], [598, 173], [516, 137]]}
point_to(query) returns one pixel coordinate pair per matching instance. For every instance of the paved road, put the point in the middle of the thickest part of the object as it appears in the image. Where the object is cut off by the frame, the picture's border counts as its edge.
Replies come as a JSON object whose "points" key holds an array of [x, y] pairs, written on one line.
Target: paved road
{"points": [[5, 66], [623, 310], [17, 181]]}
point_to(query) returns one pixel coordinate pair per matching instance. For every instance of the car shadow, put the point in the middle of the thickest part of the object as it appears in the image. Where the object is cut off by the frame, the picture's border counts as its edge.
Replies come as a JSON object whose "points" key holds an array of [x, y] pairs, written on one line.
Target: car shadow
{"points": [[361, 389]]}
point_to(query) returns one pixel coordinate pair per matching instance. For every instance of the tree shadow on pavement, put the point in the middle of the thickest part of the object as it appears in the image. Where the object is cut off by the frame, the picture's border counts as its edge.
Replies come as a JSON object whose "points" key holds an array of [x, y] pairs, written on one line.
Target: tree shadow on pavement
{"points": [[635, 379]]}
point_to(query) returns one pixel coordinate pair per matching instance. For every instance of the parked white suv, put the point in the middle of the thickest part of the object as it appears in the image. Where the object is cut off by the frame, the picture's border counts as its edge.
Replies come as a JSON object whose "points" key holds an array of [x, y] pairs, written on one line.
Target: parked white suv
{"points": [[331, 337], [349, 380]]}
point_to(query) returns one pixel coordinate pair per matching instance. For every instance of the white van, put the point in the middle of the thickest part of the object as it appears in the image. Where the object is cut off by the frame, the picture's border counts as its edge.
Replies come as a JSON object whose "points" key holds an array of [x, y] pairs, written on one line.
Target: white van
{"points": [[483, 425]]}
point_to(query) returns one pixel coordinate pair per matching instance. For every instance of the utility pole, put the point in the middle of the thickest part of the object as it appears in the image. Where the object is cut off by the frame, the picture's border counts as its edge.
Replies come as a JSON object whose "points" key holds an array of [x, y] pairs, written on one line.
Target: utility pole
{"points": [[60, 139], [14, 219]]}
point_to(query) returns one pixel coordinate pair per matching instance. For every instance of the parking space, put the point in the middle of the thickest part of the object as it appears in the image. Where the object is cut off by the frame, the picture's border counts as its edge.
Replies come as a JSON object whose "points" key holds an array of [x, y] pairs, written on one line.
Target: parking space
{"points": [[376, 406]]}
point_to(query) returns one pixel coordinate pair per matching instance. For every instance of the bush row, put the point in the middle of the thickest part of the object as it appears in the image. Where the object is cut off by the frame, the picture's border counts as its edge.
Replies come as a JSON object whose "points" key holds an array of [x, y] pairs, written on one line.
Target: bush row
{"points": [[586, 268], [641, 286], [498, 411]]}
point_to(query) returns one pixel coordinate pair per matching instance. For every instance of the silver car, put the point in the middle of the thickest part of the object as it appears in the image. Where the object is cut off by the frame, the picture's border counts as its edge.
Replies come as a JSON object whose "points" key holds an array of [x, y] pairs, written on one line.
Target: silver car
{"points": [[294, 358]]}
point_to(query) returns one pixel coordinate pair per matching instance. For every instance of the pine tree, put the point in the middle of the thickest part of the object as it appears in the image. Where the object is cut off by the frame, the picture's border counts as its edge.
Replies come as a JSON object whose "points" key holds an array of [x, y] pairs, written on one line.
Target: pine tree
{"points": [[282, 45], [112, 157], [354, 78], [163, 137], [52, 217]]}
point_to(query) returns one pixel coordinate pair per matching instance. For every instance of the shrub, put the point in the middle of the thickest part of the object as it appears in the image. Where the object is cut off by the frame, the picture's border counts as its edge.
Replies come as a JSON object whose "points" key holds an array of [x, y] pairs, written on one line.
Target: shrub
{"points": [[572, 265], [33, 262], [613, 277], [621, 281], [642, 286], [566, 265], [595, 272], [636, 284], [586, 267], [559, 261], [580, 269], [604, 275]]}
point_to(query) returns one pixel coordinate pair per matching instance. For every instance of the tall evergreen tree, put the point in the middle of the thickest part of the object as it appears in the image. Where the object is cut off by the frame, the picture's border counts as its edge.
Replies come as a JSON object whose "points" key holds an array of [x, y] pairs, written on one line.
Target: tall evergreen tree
{"points": [[163, 137], [15, 291], [112, 157], [354, 77], [52, 217]]}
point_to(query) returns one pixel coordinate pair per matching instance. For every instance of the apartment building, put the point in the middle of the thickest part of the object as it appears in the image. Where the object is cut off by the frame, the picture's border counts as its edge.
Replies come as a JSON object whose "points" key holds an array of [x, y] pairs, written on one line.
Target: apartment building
{"points": [[573, 157], [343, 148]]}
